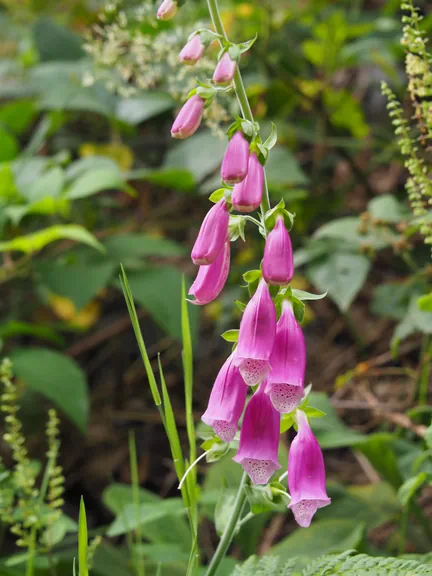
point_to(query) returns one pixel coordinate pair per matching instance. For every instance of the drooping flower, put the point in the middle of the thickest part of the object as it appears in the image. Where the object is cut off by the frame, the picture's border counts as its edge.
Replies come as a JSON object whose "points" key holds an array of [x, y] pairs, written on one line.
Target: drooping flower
{"points": [[225, 70], [189, 118], [167, 10], [278, 264], [256, 336], [259, 438], [226, 403], [211, 279], [235, 163], [192, 51], [288, 361], [212, 235], [247, 195], [306, 474]]}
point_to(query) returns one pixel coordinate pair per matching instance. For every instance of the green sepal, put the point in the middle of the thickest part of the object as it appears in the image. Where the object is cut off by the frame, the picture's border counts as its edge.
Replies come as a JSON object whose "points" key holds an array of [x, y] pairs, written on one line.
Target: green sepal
{"points": [[240, 305], [251, 276], [303, 295], [236, 228], [245, 46], [231, 335], [217, 195], [278, 210]]}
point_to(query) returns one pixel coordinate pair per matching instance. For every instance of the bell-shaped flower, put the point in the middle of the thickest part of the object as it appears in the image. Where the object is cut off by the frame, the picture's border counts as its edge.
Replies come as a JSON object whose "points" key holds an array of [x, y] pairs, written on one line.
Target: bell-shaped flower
{"points": [[278, 264], [288, 361], [225, 70], [189, 118], [211, 279], [247, 195], [235, 163], [259, 438], [212, 235], [306, 474], [167, 10], [192, 51], [226, 403], [256, 336]]}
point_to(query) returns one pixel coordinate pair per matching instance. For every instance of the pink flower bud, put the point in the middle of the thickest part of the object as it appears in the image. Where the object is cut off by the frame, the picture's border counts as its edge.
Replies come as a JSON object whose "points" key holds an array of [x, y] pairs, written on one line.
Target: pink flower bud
{"points": [[256, 336], [247, 195], [189, 118], [278, 264], [288, 361], [235, 163], [306, 474], [259, 438], [167, 10], [226, 403], [192, 51], [212, 235], [211, 279], [225, 70]]}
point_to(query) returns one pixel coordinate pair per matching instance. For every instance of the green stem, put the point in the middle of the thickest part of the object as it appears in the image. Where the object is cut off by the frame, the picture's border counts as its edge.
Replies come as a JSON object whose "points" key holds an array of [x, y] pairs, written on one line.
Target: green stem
{"points": [[31, 553], [238, 86], [228, 533]]}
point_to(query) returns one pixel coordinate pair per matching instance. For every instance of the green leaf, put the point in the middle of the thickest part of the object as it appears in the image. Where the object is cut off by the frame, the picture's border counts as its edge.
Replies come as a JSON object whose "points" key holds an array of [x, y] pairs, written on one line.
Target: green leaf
{"points": [[388, 209], [410, 488], [342, 275], [322, 537], [125, 247], [57, 377], [9, 145], [95, 181], [252, 276], [41, 331], [303, 295], [158, 291], [56, 532], [128, 520], [261, 499], [217, 195], [312, 412], [223, 510], [38, 240], [378, 449], [283, 170], [82, 541], [176, 178], [50, 184], [53, 42], [345, 112], [147, 105], [424, 303], [272, 139], [349, 230], [18, 115], [231, 335]]}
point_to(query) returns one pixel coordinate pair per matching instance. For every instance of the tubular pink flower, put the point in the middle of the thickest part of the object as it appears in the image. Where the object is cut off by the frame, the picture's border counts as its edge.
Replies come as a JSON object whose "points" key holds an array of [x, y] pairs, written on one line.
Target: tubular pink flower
{"points": [[288, 361], [247, 195], [256, 336], [211, 279], [212, 235], [167, 10], [192, 51], [259, 438], [225, 70], [278, 264], [306, 474], [189, 118], [226, 403], [235, 163]]}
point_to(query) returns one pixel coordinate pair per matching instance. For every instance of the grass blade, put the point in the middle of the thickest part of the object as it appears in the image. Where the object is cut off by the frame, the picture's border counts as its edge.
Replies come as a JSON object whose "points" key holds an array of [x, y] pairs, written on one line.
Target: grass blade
{"points": [[188, 374], [82, 540], [136, 500], [138, 335]]}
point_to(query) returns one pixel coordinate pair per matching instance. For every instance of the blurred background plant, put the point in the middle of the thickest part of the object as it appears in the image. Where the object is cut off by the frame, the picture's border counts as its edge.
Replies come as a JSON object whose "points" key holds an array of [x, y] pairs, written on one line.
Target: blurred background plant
{"points": [[89, 179]]}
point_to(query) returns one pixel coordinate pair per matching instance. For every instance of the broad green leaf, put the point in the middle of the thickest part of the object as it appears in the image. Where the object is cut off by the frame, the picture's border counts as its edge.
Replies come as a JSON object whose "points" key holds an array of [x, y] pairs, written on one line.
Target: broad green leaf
{"points": [[283, 170], [322, 537], [42, 331], [9, 147], [18, 115], [391, 300], [388, 209], [128, 520], [378, 449], [57, 531], [38, 240], [425, 302], [95, 181], [49, 184], [342, 275], [223, 510], [158, 291], [176, 178], [138, 109], [57, 377], [53, 42], [349, 231], [125, 247], [410, 487], [345, 112]]}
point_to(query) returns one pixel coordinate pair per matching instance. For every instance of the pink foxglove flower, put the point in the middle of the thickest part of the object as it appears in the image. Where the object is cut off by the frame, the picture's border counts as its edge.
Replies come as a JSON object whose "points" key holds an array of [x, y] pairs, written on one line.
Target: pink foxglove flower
{"points": [[192, 51], [225, 70], [167, 10], [211, 279], [247, 195], [306, 474], [212, 235], [235, 162], [189, 118], [259, 438], [256, 336], [288, 362], [227, 401], [278, 265]]}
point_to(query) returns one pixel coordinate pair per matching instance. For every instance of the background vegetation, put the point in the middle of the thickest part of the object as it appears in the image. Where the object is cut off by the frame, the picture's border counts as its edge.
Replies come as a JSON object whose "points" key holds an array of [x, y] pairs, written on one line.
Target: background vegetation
{"points": [[89, 179]]}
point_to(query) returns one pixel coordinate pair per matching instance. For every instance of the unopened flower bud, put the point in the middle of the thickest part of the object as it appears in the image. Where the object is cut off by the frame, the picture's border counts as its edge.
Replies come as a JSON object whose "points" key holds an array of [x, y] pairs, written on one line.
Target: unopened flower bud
{"points": [[235, 163], [167, 10], [225, 70], [192, 51], [211, 278], [189, 118], [212, 235], [247, 195], [278, 264]]}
